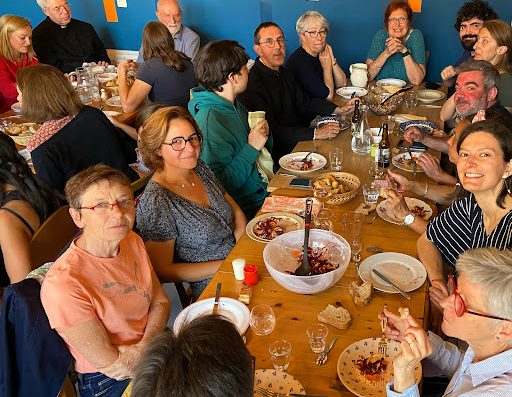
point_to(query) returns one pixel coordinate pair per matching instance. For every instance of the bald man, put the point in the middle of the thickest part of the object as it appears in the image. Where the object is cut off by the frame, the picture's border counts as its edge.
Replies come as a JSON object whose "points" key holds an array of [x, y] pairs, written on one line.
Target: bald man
{"points": [[185, 40]]}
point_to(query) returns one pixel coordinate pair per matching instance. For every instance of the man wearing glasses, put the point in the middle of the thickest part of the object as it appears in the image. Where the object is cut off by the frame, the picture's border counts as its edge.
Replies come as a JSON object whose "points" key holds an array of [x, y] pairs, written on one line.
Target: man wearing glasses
{"points": [[64, 42], [273, 89], [470, 19]]}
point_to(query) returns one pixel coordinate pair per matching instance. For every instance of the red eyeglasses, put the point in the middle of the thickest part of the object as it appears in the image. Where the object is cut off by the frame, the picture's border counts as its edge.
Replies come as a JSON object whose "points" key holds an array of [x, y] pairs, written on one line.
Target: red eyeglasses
{"points": [[460, 306]]}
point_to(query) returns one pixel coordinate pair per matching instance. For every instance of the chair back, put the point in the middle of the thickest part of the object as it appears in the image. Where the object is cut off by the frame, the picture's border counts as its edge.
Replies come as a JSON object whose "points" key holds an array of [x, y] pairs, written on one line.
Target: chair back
{"points": [[139, 185], [52, 237]]}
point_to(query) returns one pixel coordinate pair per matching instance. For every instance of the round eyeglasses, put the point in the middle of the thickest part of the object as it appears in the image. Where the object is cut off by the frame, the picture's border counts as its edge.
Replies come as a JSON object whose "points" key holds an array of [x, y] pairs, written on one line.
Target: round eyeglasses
{"points": [[180, 142], [459, 306], [399, 21], [103, 208], [270, 43]]}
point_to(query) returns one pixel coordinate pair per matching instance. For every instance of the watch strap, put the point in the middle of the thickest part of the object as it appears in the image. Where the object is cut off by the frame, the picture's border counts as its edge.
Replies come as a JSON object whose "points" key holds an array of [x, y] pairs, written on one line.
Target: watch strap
{"points": [[404, 54]]}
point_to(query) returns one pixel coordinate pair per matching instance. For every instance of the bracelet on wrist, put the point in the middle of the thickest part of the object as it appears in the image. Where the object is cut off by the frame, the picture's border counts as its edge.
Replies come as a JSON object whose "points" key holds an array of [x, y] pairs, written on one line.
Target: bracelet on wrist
{"points": [[406, 53]]}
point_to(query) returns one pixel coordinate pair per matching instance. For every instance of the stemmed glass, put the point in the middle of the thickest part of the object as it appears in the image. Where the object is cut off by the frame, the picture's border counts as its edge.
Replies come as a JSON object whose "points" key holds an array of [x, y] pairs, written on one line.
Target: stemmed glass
{"points": [[322, 191], [352, 225]]}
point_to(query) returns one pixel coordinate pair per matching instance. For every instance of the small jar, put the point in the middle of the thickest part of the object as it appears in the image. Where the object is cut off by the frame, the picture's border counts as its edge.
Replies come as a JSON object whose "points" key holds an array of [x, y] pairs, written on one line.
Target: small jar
{"points": [[250, 275]]}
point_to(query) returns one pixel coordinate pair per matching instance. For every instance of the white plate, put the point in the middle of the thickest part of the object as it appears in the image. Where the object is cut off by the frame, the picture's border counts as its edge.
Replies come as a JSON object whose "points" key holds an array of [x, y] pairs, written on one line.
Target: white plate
{"points": [[276, 381], [349, 374], [430, 96], [411, 203], [114, 101], [292, 162], [234, 310], [406, 272], [290, 222], [400, 158], [346, 92], [111, 113], [393, 82]]}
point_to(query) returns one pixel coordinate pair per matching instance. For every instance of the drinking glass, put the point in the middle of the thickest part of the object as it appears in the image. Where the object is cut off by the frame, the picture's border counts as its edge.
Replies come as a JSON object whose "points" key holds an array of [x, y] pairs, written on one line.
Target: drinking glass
{"points": [[262, 320], [323, 220], [322, 192], [280, 354], [336, 159], [351, 230], [317, 334], [411, 100], [376, 171], [391, 120], [370, 194]]}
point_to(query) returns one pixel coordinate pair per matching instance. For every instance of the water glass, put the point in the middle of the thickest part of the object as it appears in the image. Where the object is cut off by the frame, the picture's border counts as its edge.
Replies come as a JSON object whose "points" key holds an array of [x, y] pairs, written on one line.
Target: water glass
{"points": [[317, 334], [262, 320], [391, 120], [411, 100], [336, 159], [370, 194], [351, 230], [280, 354], [323, 220], [376, 171]]}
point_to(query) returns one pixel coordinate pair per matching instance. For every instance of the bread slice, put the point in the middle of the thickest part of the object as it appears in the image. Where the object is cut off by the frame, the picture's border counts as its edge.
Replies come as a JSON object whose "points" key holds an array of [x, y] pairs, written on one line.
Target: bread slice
{"points": [[338, 317], [361, 294]]}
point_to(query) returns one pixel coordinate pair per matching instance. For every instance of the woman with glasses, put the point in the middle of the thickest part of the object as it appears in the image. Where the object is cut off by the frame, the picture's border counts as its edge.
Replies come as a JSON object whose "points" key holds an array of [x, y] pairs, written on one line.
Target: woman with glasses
{"points": [[483, 216], [398, 51], [477, 311], [166, 75], [188, 221], [102, 295], [15, 53], [313, 64]]}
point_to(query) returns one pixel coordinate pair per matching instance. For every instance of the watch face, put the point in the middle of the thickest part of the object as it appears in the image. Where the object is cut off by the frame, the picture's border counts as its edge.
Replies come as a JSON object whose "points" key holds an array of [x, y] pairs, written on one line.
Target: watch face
{"points": [[409, 219]]}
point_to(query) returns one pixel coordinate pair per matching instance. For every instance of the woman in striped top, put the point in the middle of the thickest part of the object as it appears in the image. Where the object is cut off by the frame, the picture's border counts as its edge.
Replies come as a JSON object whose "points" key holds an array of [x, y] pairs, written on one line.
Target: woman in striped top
{"points": [[483, 216]]}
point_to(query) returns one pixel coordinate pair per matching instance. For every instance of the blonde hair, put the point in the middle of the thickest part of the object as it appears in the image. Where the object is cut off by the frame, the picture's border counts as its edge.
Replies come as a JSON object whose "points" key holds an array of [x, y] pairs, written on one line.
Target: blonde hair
{"points": [[8, 25]]}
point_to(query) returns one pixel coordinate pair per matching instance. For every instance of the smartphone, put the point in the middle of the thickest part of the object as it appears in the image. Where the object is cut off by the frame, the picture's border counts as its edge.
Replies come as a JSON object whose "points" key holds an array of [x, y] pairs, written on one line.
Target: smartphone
{"points": [[431, 85], [414, 146], [302, 183]]}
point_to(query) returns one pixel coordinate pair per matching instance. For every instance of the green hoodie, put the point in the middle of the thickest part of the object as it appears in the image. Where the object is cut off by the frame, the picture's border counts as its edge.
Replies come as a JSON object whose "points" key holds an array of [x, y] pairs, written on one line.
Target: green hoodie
{"points": [[226, 149]]}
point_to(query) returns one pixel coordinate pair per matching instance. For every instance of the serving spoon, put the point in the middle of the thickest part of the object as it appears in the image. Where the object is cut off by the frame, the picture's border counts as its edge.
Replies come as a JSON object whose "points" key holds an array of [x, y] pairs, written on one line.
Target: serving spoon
{"points": [[406, 88], [304, 269]]}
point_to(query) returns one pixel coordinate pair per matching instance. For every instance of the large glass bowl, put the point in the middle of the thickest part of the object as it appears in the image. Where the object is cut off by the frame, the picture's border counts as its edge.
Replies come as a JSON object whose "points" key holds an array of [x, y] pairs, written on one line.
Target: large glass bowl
{"points": [[375, 98], [280, 256]]}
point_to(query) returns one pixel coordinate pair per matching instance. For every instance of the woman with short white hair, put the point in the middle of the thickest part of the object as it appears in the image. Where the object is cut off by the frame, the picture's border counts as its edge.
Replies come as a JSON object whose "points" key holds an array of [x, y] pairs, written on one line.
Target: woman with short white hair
{"points": [[313, 64], [477, 311]]}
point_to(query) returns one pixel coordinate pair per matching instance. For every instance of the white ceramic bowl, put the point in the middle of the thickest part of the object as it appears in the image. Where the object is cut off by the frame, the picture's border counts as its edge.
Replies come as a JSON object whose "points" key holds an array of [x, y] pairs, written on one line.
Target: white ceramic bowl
{"points": [[104, 77], [280, 256]]}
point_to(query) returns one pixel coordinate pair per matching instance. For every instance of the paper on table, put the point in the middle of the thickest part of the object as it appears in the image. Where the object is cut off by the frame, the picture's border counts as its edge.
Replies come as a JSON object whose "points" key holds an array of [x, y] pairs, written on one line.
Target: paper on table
{"points": [[293, 205], [403, 117]]}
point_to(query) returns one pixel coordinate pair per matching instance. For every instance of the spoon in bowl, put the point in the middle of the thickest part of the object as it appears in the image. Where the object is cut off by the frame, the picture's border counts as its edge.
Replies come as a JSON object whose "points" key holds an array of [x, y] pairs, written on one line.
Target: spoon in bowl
{"points": [[304, 269]]}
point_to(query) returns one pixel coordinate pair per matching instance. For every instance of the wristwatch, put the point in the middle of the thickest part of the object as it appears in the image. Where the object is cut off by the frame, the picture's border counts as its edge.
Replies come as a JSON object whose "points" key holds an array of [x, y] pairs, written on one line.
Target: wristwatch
{"points": [[404, 54], [409, 219]]}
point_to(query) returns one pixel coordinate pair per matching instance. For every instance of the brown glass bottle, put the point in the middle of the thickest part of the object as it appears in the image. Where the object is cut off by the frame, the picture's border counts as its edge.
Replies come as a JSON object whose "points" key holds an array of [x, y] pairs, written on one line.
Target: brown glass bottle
{"points": [[356, 119], [384, 148]]}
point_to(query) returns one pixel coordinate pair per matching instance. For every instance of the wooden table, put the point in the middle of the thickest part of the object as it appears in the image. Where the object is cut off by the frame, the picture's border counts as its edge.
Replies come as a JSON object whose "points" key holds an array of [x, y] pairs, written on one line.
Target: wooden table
{"points": [[295, 312]]}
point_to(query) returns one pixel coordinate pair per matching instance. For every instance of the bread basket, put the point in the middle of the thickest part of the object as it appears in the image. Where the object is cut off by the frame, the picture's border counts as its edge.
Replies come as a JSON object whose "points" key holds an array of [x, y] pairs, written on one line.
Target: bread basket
{"points": [[350, 182]]}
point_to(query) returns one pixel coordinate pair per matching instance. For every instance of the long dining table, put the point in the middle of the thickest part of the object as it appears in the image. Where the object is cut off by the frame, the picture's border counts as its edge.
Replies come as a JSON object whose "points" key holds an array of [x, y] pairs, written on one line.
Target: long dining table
{"points": [[294, 312]]}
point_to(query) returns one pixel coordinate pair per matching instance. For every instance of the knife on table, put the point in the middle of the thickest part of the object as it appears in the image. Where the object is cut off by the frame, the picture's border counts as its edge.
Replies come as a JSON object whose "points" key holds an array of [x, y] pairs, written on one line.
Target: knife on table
{"points": [[388, 281], [216, 302]]}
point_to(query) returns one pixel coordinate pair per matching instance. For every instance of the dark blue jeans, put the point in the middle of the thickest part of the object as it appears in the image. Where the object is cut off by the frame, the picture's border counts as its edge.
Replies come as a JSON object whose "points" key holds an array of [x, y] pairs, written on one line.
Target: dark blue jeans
{"points": [[97, 384]]}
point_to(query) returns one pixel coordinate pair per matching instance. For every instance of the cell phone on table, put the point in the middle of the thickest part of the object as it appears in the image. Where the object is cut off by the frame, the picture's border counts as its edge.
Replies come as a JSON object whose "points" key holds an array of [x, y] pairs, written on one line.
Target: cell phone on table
{"points": [[304, 183], [414, 146]]}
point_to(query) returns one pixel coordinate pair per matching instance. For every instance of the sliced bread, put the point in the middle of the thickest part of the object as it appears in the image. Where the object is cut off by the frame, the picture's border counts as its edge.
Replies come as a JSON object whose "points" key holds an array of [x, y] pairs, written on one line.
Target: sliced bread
{"points": [[338, 317], [361, 294]]}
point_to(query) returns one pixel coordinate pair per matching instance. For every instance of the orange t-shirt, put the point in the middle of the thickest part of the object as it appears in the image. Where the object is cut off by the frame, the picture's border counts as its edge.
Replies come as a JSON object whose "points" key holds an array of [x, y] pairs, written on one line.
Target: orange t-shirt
{"points": [[118, 291]]}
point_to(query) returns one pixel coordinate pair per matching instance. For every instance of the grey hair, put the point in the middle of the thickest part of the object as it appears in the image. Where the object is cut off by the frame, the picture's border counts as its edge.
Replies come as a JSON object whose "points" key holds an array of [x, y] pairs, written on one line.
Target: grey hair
{"points": [[301, 26], [42, 3], [491, 75], [491, 269]]}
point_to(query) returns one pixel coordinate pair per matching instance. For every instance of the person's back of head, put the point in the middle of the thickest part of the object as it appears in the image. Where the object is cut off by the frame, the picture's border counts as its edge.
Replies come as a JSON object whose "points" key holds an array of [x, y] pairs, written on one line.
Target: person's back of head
{"points": [[206, 358]]}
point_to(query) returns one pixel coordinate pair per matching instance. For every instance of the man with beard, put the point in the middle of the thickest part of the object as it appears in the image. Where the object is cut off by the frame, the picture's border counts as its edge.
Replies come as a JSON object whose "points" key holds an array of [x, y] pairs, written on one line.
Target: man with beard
{"points": [[470, 19], [273, 89], [185, 39]]}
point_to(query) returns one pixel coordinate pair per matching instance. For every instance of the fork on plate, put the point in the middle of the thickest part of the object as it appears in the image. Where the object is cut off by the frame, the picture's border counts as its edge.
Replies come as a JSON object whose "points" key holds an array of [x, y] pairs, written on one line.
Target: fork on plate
{"points": [[383, 343]]}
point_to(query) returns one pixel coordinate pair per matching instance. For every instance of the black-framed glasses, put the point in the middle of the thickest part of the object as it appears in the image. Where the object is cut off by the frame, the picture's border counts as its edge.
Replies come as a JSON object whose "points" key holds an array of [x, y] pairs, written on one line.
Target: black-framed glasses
{"points": [[315, 33], [270, 43], [103, 208], [400, 20], [180, 142], [61, 8], [459, 305]]}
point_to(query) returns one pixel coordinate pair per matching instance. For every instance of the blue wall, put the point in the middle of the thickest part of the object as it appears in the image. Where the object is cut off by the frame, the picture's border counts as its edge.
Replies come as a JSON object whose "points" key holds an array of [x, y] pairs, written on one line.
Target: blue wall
{"points": [[353, 22]]}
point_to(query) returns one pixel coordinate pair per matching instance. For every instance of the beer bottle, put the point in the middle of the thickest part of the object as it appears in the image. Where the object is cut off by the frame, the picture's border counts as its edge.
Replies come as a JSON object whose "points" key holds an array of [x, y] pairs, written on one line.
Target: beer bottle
{"points": [[356, 119], [384, 147]]}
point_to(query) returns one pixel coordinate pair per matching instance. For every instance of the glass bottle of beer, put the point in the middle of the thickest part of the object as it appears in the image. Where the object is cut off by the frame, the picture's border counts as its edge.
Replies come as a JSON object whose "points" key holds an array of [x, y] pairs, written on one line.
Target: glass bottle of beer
{"points": [[384, 147], [356, 119]]}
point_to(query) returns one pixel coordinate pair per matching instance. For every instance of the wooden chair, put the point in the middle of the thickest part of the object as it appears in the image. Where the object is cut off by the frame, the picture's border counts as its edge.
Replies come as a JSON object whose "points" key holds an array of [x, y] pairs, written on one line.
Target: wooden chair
{"points": [[138, 185], [52, 237]]}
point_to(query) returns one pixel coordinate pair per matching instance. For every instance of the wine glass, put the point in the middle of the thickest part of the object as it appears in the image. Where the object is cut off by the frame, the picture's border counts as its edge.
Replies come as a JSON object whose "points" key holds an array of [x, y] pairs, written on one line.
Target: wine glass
{"points": [[262, 320], [322, 191]]}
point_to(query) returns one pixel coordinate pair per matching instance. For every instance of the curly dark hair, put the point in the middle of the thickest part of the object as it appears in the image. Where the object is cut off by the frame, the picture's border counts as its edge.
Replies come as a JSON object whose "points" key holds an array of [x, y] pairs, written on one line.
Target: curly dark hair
{"points": [[474, 9]]}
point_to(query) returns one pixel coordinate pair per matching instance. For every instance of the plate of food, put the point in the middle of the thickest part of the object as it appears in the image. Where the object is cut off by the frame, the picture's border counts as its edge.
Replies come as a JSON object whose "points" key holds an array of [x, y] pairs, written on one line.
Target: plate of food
{"points": [[416, 206], [234, 310], [406, 272], [427, 127], [276, 381], [114, 101], [429, 96], [346, 92], [391, 85], [294, 162], [266, 227], [21, 133], [364, 371], [406, 163]]}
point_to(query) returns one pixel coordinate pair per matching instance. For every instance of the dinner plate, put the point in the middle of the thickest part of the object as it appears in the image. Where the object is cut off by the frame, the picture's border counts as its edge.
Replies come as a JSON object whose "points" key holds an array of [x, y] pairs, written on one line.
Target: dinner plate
{"points": [[393, 82], [406, 272], [289, 222], [411, 203], [276, 381], [402, 161], [111, 113], [429, 96], [346, 92], [16, 107], [424, 126], [292, 162], [358, 384], [234, 310], [114, 101]]}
